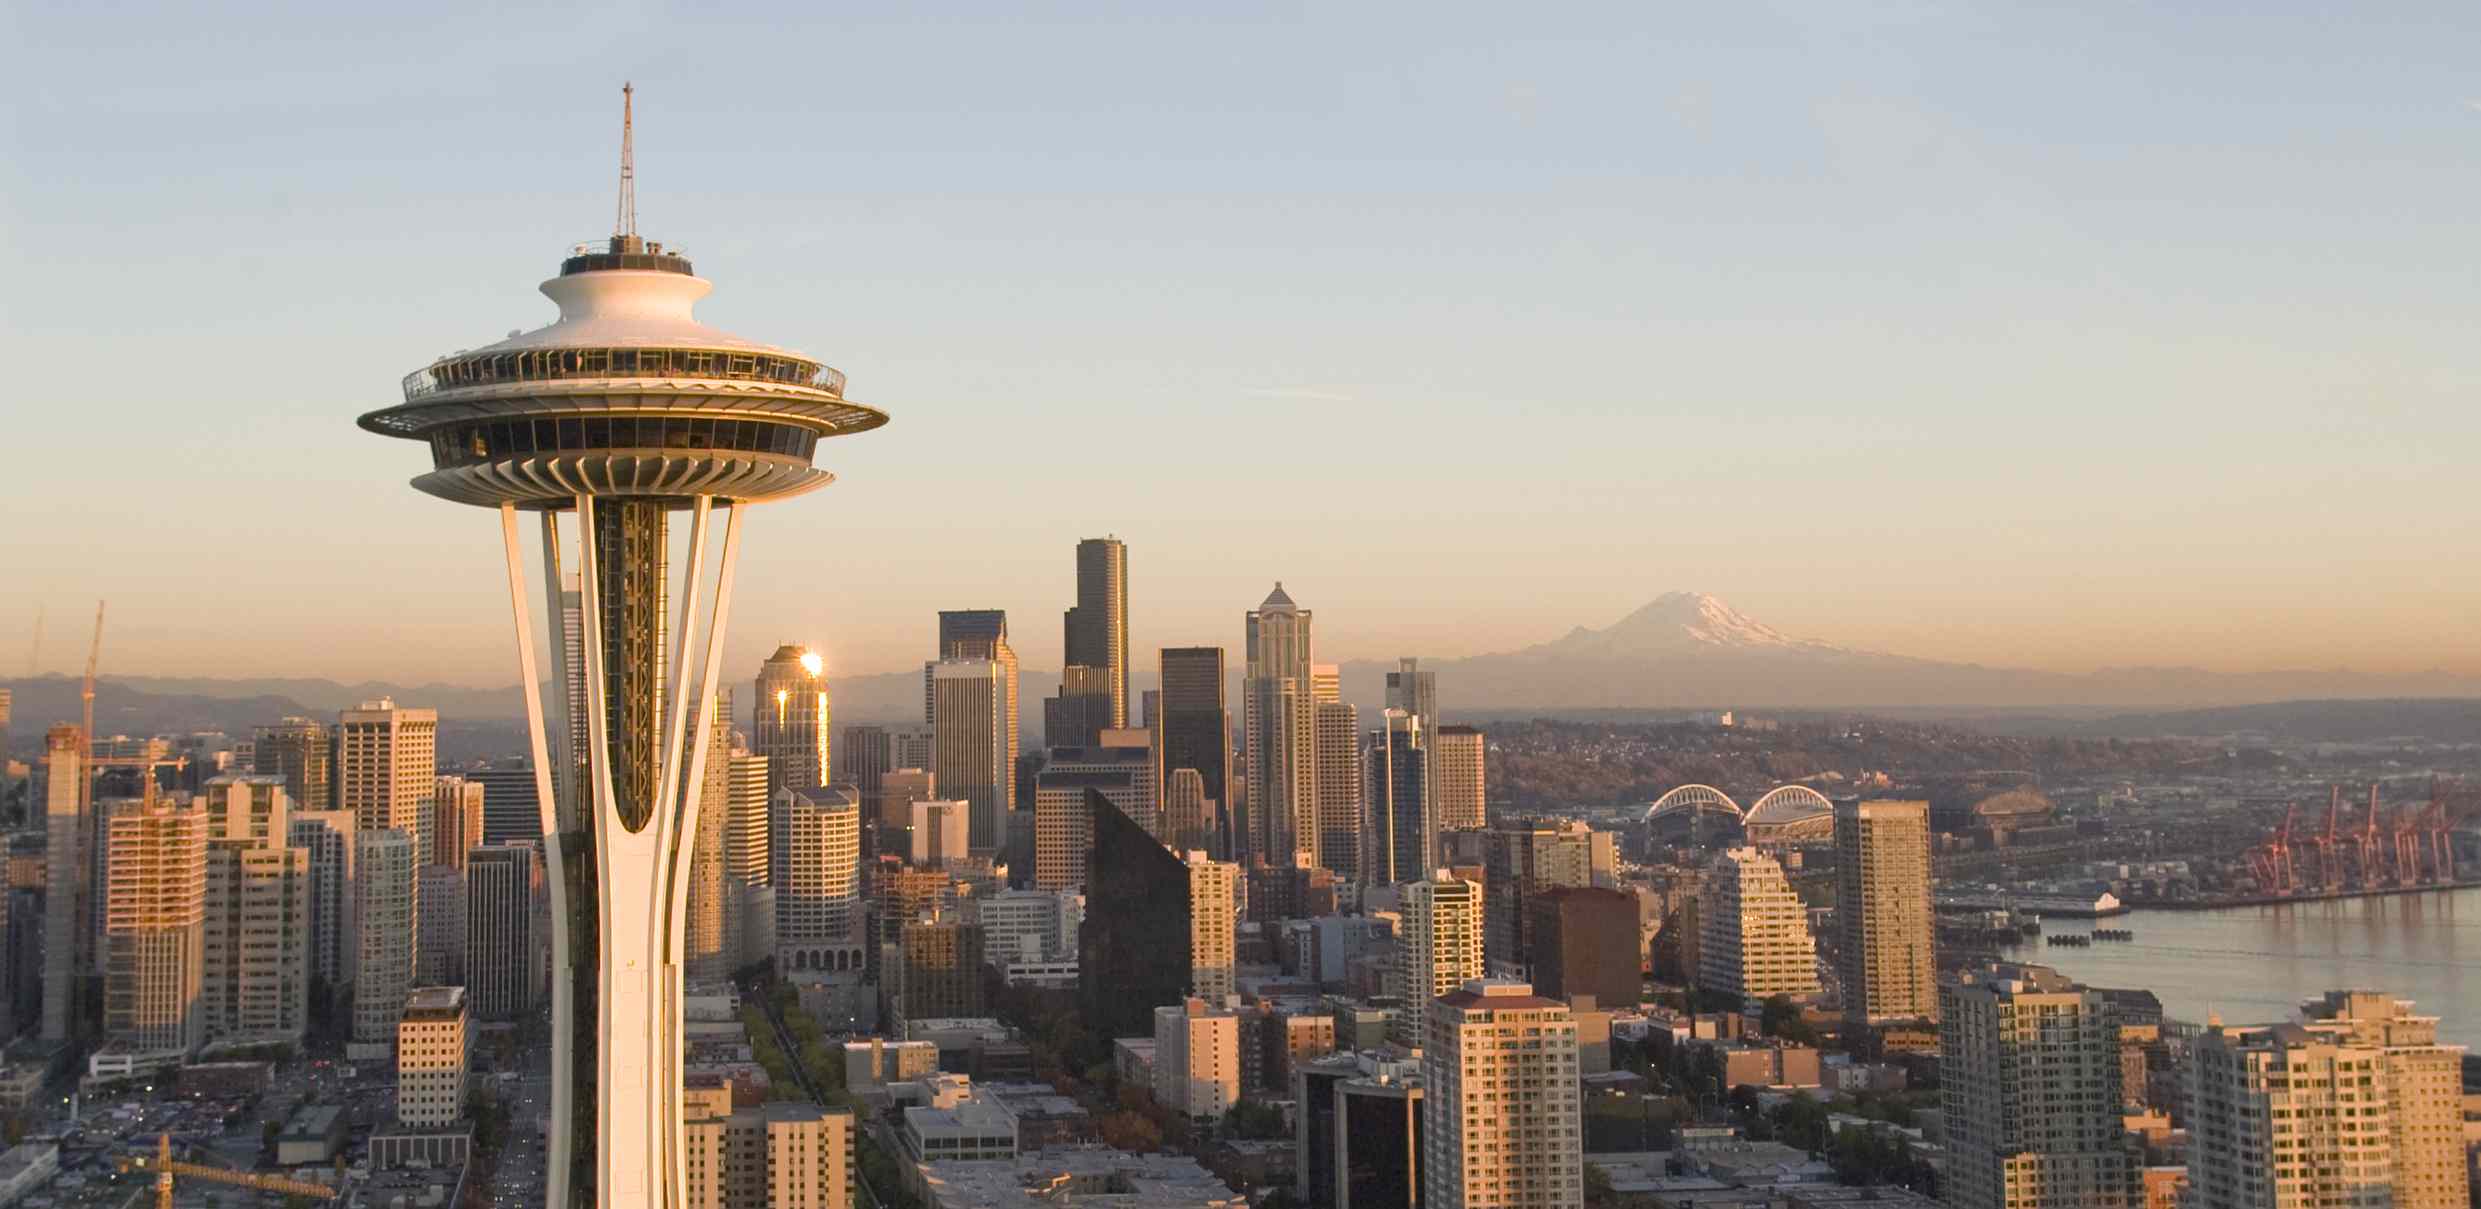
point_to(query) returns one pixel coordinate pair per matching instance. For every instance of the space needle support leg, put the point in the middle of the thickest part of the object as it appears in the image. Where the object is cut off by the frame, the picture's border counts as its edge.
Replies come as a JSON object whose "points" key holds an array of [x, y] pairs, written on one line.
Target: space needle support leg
{"points": [[677, 908], [557, 1168]]}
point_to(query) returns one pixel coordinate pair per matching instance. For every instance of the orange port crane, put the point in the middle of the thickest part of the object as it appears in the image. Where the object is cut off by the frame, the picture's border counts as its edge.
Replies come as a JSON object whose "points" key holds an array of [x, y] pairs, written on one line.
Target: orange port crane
{"points": [[165, 1167]]}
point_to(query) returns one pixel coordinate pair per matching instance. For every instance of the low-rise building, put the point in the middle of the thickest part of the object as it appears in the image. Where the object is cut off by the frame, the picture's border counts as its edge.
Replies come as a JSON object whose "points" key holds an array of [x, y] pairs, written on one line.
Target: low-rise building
{"points": [[1084, 1175], [313, 1134], [26, 1167], [958, 1124]]}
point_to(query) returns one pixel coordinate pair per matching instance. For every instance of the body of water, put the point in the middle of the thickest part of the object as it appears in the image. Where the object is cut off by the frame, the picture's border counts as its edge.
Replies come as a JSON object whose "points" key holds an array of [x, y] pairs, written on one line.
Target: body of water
{"points": [[2254, 965]]}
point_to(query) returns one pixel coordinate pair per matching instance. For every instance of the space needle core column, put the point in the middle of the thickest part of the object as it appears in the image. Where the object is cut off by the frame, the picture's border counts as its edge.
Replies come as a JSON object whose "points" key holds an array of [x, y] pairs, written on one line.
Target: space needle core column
{"points": [[623, 412]]}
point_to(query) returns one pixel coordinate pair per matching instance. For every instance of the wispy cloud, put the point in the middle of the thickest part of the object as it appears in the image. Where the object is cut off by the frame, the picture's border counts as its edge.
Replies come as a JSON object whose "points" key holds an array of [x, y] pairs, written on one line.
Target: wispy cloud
{"points": [[1306, 394], [2473, 103]]}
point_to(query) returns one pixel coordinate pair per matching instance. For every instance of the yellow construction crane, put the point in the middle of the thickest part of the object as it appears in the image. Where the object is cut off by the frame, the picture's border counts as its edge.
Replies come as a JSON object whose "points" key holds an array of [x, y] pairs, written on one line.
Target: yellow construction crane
{"points": [[165, 1168]]}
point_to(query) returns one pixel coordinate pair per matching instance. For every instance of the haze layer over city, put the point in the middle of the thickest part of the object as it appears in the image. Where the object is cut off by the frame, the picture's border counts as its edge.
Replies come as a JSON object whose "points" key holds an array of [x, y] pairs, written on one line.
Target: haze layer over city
{"points": [[1612, 606]]}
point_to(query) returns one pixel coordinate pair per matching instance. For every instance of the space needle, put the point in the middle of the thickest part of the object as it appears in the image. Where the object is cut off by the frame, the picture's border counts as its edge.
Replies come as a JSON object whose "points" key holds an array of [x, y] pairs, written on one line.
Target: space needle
{"points": [[621, 413]]}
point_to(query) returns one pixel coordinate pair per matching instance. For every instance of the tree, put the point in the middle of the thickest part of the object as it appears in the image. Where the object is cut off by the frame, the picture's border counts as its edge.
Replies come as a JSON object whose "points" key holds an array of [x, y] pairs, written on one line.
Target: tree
{"points": [[1780, 1017], [1251, 1119], [1597, 1185], [1129, 1131]]}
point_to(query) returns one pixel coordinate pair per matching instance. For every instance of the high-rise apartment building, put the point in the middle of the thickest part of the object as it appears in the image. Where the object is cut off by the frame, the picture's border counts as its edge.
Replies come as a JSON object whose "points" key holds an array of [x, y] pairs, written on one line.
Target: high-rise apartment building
{"points": [[387, 768], [817, 860], [1097, 627], [327, 837], [973, 752], [1438, 948], [780, 1155], [1885, 932], [69, 849], [433, 1050], [301, 751], [1753, 933], [386, 896], [1279, 724], [1458, 756], [456, 819], [1214, 929], [789, 720], [503, 931], [258, 927], [2029, 1071], [1197, 1058], [1193, 730], [155, 915], [1343, 828], [1414, 691], [1403, 843], [1585, 942], [1503, 1127], [2356, 1105]]}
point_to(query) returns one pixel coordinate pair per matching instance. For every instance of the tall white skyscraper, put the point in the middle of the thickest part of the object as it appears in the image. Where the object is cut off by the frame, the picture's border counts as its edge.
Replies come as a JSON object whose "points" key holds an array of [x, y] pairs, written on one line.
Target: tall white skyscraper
{"points": [[817, 881], [1214, 928], [1279, 727], [1753, 932], [258, 928], [1886, 934], [2357, 1105], [1438, 948], [2029, 1072], [387, 768], [748, 858], [1502, 1127], [155, 918], [386, 893], [1414, 691]]}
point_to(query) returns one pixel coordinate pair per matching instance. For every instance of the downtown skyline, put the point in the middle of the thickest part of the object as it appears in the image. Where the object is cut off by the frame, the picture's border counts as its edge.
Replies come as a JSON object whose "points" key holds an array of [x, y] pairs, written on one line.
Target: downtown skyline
{"points": [[1962, 349]]}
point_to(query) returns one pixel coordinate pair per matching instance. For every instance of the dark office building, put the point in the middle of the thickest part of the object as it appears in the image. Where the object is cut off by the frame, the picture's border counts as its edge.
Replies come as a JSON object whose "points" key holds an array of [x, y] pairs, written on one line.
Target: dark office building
{"points": [[508, 803], [1193, 730], [1132, 952], [1585, 943], [1358, 1135]]}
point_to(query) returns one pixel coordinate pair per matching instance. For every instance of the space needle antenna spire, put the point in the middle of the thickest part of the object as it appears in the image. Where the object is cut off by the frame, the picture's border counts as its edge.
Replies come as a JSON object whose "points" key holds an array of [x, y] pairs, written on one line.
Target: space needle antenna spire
{"points": [[624, 222]]}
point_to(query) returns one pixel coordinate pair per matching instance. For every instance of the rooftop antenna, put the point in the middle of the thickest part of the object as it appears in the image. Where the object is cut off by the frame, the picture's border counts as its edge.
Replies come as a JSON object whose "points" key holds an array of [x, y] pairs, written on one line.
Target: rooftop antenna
{"points": [[624, 223]]}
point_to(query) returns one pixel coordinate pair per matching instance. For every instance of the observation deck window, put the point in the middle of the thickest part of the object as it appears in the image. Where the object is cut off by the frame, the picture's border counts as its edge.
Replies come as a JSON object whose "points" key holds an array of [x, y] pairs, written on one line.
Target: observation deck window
{"points": [[554, 364], [467, 444]]}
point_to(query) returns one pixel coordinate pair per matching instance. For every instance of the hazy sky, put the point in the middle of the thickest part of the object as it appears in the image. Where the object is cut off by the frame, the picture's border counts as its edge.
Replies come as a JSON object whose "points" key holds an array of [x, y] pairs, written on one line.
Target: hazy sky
{"points": [[2062, 339]]}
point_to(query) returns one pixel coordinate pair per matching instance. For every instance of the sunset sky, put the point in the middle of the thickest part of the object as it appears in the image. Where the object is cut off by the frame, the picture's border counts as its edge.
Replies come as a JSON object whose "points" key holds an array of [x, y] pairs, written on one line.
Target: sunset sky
{"points": [[2071, 339]]}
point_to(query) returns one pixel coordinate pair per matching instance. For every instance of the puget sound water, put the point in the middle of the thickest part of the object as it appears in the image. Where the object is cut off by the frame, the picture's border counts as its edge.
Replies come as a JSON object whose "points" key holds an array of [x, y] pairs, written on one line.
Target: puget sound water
{"points": [[2254, 965]]}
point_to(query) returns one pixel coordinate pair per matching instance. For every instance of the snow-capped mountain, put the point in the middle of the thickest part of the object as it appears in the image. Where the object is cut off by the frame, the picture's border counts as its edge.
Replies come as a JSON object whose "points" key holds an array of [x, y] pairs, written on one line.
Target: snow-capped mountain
{"points": [[1681, 623]]}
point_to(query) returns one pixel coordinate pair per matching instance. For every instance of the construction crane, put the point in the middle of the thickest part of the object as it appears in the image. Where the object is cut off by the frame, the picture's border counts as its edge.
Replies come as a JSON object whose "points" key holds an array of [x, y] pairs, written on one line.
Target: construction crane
{"points": [[165, 1167]]}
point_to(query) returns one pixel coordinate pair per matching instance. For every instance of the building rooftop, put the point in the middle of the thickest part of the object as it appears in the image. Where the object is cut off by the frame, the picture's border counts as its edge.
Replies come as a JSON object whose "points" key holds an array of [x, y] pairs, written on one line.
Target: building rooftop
{"points": [[435, 1003], [1084, 1175]]}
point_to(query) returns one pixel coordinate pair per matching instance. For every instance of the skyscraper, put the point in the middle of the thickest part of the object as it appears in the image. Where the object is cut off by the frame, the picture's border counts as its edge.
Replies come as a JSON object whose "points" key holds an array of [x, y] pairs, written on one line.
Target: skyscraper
{"points": [[1503, 1126], [2356, 1105], [817, 864], [710, 945], [503, 930], [2028, 1064], [1188, 817], [936, 835], [1343, 830], [386, 895], [1137, 907], [155, 928], [67, 860], [1438, 949], [439, 894], [939, 974], [1193, 731], [972, 756], [1214, 928], [1753, 933], [510, 809], [1197, 1058], [431, 1057], [456, 819], [1884, 928], [258, 930], [1278, 721], [299, 750], [1414, 691], [1457, 776], [387, 768], [789, 722], [1403, 842], [327, 836], [624, 411], [1521, 858], [1096, 628], [975, 634]]}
